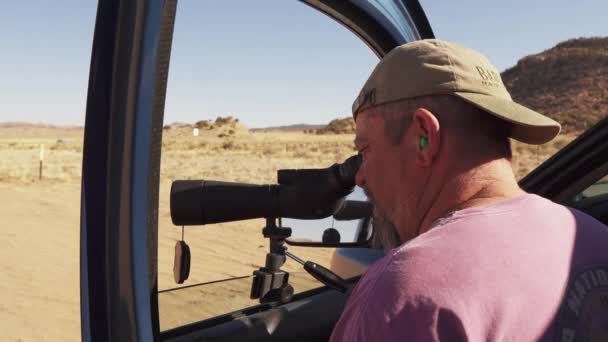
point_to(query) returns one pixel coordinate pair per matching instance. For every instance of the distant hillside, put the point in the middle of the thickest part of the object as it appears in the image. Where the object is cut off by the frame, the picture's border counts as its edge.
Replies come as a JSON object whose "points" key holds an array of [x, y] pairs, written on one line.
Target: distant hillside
{"points": [[223, 126], [336, 126], [568, 82], [289, 128], [32, 125], [339, 126]]}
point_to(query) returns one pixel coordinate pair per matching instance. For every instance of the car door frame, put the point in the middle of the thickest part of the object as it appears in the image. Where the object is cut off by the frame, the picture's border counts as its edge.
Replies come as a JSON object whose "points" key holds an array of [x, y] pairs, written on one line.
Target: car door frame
{"points": [[120, 174], [572, 169]]}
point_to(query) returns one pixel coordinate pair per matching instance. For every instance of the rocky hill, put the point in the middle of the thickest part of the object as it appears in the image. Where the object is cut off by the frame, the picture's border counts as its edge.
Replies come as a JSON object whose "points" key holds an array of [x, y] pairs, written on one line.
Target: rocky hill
{"points": [[568, 82], [222, 126], [339, 126]]}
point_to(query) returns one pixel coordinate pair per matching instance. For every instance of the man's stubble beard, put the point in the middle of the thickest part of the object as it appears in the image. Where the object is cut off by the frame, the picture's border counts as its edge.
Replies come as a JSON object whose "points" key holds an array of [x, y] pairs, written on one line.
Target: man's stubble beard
{"points": [[385, 235]]}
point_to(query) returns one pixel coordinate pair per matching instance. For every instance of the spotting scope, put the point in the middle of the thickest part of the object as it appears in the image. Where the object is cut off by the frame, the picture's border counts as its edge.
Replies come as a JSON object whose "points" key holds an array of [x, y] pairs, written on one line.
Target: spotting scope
{"points": [[300, 194]]}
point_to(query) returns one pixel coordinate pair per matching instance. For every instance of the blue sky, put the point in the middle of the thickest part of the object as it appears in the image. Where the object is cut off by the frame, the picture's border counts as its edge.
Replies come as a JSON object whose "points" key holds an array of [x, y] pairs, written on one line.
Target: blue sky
{"points": [[269, 62]]}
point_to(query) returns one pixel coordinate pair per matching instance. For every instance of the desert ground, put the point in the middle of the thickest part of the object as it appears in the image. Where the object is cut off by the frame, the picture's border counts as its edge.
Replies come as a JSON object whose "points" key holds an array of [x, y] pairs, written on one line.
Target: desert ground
{"points": [[39, 258]]}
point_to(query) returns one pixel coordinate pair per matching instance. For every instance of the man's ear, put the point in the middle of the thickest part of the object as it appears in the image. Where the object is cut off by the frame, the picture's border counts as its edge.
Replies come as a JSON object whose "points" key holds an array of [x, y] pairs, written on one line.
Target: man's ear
{"points": [[427, 137]]}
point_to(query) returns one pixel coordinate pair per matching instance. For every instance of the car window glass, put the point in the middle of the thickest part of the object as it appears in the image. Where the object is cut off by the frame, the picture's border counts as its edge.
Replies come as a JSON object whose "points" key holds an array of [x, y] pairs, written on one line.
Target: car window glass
{"points": [[226, 83], [182, 306], [596, 190], [312, 230]]}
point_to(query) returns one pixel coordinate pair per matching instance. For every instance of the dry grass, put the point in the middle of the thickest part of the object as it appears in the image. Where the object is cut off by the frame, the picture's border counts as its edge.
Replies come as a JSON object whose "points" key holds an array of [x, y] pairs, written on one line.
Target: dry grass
{"points": [[39, 292], [527, 157], [252, 157], [20, 154], [243, 157]]}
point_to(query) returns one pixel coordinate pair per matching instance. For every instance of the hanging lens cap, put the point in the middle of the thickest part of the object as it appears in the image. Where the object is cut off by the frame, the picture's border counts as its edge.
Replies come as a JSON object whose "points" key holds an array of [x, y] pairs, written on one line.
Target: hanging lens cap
{"points": [[181, 262]]}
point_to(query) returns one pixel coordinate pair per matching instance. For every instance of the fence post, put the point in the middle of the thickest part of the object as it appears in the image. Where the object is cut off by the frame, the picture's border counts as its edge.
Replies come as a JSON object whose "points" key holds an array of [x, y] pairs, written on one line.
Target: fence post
{"points": [[41, 161]]}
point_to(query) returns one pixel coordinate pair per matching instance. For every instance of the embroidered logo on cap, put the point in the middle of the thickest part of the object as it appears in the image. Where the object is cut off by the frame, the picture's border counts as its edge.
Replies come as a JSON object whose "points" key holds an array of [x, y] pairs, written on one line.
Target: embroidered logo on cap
{"points": [[489, 77]]}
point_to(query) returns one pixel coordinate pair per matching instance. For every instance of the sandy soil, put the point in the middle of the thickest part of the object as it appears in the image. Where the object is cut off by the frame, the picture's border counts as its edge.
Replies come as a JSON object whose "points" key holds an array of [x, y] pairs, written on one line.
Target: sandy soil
{"points": [[39, 285]]}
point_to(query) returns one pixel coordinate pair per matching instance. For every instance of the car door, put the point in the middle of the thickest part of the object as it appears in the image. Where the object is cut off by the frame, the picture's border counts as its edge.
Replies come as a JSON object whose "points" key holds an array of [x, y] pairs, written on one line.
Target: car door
{"points": [[121, 163]]}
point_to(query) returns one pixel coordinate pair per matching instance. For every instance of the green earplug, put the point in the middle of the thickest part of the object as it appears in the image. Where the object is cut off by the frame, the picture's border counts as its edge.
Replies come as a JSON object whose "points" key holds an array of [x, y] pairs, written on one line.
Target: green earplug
{"points": [[424, 142]]}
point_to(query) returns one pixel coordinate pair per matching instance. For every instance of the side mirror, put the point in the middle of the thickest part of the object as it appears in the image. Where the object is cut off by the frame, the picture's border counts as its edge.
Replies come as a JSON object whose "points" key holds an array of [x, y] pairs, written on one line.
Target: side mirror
{"points": [[349, 227]]}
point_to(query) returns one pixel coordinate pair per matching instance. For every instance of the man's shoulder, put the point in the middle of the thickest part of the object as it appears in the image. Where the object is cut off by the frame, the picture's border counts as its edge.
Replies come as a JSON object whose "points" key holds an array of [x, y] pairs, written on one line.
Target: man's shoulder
{"points": [[389, 304], [402, 296], [414, 273]]}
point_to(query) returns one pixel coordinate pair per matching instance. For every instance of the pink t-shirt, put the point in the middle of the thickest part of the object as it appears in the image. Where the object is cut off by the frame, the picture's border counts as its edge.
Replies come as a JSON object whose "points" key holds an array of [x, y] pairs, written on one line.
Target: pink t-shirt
{"points": [[524, 269]]}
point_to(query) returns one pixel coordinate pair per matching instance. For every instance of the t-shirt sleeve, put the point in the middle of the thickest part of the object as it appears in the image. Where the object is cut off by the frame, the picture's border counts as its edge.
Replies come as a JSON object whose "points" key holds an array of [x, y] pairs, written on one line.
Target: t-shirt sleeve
{"points": [[418, 320], [390, 309]]}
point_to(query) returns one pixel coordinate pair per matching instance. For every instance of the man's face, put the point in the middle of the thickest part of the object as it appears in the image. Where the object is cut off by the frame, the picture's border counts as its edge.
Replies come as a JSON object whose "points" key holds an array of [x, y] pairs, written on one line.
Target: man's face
{"points": [[386, 173]]}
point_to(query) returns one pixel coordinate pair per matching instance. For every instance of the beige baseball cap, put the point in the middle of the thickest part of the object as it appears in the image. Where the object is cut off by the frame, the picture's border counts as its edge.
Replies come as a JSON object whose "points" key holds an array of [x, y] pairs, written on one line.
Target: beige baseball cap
{"points": [[436, 67]]}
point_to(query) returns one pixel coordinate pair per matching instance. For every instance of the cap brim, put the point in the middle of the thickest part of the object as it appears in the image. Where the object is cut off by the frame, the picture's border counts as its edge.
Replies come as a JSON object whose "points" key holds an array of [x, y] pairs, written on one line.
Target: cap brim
{"points": [[528, 126]]}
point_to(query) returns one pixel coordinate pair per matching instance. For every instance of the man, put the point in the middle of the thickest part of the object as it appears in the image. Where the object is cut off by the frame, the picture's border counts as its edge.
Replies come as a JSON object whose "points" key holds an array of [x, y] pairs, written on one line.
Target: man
{"points": [[481, 260]]}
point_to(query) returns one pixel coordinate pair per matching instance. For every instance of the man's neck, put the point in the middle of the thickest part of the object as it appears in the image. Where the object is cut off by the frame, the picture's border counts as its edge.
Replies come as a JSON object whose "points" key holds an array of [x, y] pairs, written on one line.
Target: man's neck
{"points": [[485, 185]]}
